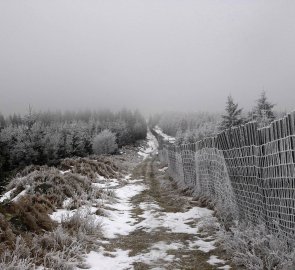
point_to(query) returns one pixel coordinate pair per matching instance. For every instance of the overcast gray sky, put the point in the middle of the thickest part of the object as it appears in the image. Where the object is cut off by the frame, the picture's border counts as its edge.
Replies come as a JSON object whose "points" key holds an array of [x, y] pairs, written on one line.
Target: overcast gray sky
{"points": [[146, 54]]}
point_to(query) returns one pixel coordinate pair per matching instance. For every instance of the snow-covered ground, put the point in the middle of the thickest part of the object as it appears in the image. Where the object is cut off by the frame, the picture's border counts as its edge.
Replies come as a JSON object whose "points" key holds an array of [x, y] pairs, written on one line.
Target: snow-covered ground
{"points": [[118, 220], [163, 135], [155, 218], [163, 169], [6, 196], [151, 148], [121, 221]]}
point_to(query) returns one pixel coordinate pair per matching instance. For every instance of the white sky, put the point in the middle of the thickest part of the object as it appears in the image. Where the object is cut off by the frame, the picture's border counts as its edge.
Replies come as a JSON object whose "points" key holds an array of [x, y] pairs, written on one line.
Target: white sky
{"points": [[146, 54]]}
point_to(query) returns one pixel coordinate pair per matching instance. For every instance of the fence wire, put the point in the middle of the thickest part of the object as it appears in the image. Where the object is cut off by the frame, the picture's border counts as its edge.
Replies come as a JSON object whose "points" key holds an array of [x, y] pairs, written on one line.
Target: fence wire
{"points": [[246, 168]]}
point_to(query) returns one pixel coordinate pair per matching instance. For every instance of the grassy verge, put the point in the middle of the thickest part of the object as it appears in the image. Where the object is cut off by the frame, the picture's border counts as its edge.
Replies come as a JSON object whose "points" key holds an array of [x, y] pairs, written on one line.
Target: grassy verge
{"points": [[29, 237]]}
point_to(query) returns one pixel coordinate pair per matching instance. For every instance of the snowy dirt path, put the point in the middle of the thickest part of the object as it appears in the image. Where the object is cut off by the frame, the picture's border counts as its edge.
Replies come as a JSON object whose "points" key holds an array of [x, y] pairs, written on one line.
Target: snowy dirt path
{"points": [[152, 226]]}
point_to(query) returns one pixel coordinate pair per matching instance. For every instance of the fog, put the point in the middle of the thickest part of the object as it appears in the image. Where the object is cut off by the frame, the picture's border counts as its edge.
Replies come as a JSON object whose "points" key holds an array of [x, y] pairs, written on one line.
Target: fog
{"points": [[148, 54]]}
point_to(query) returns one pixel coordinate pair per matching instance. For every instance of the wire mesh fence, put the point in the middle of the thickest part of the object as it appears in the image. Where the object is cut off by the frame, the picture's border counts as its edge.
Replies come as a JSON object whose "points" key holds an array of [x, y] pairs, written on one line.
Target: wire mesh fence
{"points": [[248, 168]]}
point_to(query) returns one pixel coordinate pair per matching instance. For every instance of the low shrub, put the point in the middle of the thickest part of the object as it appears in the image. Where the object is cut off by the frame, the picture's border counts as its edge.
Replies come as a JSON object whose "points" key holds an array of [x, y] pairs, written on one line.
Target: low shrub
{"points": [[83, 222], [58, 249], [7, 236], [91, 167], [18, 259], [255, 248], [36, 192], [52, 183], [105, 143], [29, 213]]}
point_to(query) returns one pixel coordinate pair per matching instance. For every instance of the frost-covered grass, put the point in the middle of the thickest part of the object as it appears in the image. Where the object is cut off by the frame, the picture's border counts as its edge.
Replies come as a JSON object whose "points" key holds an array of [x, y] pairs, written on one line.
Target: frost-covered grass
{"points": [[57, 249], [91, 167], [51, 182], [154, 219], [81, 222], [253, 247], [17, 259], [250, 246], [143, 230], [55, 213]]}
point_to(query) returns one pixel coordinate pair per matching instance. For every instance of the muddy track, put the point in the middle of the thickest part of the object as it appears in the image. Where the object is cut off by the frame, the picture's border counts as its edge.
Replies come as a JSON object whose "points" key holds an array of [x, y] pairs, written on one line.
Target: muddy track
{"points": [[161, 194]]}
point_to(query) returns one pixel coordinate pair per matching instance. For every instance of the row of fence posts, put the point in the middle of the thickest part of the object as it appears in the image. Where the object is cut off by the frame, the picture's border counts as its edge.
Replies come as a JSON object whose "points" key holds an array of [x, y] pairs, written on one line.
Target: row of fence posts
{"points": [[253, 168]]}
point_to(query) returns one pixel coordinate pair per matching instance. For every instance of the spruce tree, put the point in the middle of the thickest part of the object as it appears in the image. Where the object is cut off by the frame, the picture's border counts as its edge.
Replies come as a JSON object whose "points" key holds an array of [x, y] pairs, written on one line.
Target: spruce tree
{"points": [[264, 110], [233, 115]]}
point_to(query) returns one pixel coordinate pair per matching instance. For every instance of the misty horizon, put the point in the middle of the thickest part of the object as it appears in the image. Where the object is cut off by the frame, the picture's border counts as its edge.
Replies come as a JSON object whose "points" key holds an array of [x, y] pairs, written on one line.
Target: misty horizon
{"points": [[147, 134], [148, 55]]}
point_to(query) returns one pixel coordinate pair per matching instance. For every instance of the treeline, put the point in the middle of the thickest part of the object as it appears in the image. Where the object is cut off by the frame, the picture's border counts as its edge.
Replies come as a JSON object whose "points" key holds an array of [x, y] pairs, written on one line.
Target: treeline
{"points": [[187, 126], [46, 137], [191, 127]]}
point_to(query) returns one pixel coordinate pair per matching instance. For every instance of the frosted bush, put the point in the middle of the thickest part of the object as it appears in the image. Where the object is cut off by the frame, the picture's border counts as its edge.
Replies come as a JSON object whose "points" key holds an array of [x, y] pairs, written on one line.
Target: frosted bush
{"points": [[105, 143], [59, 249], [62, 260], [52, 182], [18, 259], [255, 248], [208, 225], [83, 222]]}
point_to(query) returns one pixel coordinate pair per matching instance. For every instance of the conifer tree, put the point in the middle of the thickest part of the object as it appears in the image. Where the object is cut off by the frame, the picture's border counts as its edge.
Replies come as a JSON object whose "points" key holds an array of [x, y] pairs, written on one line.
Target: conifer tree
{"points": [[233, 115], [264, 110]]}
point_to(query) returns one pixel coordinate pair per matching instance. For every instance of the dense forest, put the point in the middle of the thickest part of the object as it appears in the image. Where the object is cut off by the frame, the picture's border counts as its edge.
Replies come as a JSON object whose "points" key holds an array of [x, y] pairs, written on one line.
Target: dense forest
{"points": [[46, 137]]}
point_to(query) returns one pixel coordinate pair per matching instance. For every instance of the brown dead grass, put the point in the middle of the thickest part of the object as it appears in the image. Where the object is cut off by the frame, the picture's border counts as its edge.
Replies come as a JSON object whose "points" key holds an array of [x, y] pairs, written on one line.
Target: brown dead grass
{"points": [[91, 167], [28, 214], [27, 217], [23, 217], [52, 183]]}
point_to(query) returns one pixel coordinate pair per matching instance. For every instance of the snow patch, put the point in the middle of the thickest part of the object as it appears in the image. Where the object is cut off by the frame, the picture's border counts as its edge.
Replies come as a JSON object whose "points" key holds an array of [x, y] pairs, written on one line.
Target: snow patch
{"points": [[214, 260], [64, 172], [7, 195], [225, 267], [119, 220], [119, 259], [163, 135], [163, 169], [127, 177], [108, 183], [158, 253], [152, 146], [67, 202], [61, 213], [23, 193], [202, 245], [110, 260], [174, 222]]}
